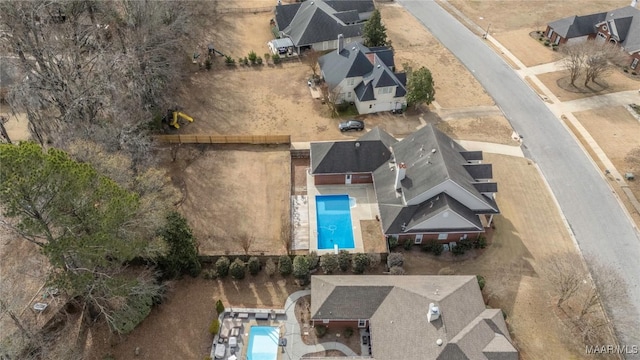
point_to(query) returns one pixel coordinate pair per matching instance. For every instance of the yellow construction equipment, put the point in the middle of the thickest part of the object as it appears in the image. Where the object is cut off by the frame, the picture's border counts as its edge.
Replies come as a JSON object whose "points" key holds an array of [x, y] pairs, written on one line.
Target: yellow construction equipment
{"points": [[174, 115]]}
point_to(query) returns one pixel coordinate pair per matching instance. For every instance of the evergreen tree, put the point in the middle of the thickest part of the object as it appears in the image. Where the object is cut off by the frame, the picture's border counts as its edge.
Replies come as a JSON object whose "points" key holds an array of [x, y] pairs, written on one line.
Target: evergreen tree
{"points": [[375, 34], [182, 255], [88, 227], [420, 87]]}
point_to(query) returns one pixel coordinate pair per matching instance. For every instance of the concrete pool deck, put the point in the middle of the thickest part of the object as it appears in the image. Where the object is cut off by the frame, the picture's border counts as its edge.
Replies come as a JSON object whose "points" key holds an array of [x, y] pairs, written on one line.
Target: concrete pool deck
{"points": [[366, 208], [284, 319]]}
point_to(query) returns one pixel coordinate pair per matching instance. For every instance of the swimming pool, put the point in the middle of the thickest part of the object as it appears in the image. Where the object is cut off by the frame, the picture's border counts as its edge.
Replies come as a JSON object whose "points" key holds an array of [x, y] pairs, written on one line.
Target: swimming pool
{"points": [[333, 213], [263, 343]]}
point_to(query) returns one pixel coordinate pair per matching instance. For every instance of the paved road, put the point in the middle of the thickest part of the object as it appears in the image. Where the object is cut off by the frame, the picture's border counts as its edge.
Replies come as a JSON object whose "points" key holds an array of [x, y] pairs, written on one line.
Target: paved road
{"points": [[599, 223]]}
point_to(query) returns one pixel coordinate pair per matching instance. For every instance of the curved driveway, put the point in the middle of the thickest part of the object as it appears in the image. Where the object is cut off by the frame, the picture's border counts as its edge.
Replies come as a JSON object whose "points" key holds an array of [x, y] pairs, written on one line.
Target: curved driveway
{"points": [[599, 223]]}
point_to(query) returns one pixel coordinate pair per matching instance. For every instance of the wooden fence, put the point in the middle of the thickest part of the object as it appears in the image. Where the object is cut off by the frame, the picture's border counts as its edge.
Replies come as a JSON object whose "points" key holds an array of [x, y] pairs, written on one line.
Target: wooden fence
{"points": [[224, 139]]}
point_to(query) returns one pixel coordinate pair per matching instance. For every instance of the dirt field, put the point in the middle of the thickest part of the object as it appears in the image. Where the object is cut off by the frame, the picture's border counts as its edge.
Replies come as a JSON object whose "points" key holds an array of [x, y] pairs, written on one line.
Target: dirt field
{"points": [[617, 132], [235, 192], [510, 263], [178, 329]]}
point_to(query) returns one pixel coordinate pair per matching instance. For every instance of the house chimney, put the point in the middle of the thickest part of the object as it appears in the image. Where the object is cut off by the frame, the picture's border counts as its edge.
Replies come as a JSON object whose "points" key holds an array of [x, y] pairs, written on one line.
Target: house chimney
{"points": [[402, 169], [634, 3], [340, 43], [434, 312]]}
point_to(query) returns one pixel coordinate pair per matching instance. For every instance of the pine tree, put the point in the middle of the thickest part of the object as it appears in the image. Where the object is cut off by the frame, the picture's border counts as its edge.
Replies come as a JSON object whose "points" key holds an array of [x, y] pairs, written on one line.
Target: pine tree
{"points": [[375, 34]]}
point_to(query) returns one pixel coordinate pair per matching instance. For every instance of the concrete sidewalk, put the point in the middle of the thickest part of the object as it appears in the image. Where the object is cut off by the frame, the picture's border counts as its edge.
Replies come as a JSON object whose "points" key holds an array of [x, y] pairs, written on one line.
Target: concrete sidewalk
{"points": [[491, 148]]}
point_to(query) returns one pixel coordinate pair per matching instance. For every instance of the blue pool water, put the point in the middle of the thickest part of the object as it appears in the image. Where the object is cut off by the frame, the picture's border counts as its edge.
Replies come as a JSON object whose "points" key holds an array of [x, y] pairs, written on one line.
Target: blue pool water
{"points": [[333, 213], [263, 343]]}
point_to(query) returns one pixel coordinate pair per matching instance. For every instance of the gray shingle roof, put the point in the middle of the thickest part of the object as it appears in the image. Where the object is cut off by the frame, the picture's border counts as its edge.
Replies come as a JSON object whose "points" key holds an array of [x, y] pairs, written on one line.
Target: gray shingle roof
{"points": [[431, 158], [626, 19], [318, 21], [471, 155], [486, 187], [378, 134], [356, 60], [286, 13], [350, 62], [345, 157], [399, 306]]}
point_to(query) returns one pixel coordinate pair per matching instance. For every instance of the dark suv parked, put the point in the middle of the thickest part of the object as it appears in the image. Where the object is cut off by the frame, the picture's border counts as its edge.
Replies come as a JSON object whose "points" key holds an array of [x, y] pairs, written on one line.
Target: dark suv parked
{"points": [[351, 125]]}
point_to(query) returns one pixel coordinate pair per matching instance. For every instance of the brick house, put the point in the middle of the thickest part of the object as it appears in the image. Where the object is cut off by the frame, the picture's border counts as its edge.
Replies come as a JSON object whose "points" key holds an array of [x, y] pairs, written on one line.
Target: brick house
{"points": [[413, 317], [427, 186], [619, 26]]}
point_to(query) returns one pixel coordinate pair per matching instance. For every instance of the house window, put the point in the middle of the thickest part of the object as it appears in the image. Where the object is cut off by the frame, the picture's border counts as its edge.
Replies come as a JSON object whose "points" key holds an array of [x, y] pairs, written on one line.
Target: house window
{"points": [[349, 95], [325, 321], [362, 323], [634, 63], [350, 81], [418, 239], [443, 236], [385, 90], [557, 40], [550, 33]]}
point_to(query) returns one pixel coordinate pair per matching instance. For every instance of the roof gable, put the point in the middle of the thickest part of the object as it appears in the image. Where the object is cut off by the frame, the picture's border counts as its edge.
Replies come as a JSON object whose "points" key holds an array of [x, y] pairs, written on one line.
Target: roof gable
{"points": [[286, 13]]}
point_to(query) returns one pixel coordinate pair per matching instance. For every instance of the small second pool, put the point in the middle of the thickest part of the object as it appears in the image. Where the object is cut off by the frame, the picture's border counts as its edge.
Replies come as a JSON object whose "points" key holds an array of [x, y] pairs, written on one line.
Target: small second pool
{"points": [[333, 214], [263, 343]]}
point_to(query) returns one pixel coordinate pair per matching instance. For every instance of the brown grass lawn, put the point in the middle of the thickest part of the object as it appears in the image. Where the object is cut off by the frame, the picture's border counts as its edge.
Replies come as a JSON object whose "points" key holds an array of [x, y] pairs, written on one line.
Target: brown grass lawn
{"points": [[618, 133], [178, 328], [613, 81], [523, 236], [495, 129], [235, 192], [413, 44]]}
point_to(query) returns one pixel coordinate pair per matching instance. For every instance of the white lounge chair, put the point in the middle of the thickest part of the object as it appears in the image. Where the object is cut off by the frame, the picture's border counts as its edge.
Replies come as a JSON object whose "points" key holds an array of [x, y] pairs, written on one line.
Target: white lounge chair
{"points": [[220, 352]]}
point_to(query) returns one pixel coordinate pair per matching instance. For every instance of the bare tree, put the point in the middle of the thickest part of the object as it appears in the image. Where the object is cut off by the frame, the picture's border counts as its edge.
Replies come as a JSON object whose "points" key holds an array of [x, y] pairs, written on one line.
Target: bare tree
{"points": [[311, 59], [246, 241], [564, 272], [574, 60], [96, 70], [332, 97], [592, 58]]}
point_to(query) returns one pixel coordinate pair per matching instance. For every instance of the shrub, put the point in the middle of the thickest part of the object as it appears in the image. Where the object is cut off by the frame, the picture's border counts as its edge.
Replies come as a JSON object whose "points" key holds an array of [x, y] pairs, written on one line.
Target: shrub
{"points": [[321, 330], [555, 48], [458, 250], [229, 60], [329, 263], [360, 262], [207, 358], [214, 327], [408, 243], [182, 253], [348, 332], [481, 281], [634, 73], [219, 307], [245, 61], [267, 56], [480, 242], [237, 269], [259, 60], [240, 61], [207, 64], [396, 270], [276, 59], [253, 57], [284, 265], [209, 274], [344, 260], [374, 259], [301, 267], [270, 267], [432, 246], [314, 260], [395, 259], [222, 266], [254, 265], [626, 70], [547, 43], [393, 242]]}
